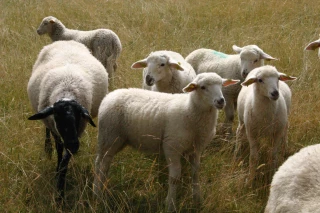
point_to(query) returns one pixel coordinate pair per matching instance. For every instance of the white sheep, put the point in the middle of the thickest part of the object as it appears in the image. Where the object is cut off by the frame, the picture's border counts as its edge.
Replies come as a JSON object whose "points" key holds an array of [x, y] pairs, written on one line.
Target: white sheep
{"points": [[235, 66], [67, 82], [263, 105], [174, 124], [104, 44], [295, 186], [165, 71]]}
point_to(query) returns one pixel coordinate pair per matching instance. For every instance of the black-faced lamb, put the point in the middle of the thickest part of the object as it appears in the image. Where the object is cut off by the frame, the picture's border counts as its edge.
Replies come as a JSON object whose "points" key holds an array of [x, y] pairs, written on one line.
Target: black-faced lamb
{"points": [[104, 44], [66, 86], [176, 124]]}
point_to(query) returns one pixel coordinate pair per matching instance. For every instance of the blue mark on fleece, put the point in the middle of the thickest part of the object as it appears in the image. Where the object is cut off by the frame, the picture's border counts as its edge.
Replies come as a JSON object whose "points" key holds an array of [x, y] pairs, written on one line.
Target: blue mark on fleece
{"points": [[220, 54]]}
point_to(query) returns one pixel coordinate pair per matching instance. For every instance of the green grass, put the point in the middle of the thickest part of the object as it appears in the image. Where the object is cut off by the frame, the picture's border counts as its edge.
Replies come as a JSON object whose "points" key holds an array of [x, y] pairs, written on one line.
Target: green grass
{"points": [[27, 178]]}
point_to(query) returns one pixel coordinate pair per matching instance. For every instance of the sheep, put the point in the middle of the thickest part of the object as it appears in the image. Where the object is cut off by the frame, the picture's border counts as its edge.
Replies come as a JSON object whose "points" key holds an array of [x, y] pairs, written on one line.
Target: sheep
{"points": [[313, 46], [229, 66], [165, 71], [104, 44], [295, 186], [68, 83], [174, 124], [263, 108]]}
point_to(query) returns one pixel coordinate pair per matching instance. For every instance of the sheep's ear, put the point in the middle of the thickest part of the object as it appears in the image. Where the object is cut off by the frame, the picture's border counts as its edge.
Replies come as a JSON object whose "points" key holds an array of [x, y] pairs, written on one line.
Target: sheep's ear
{"points": [[140, 64], [42, 114], [313, 45], [284, 77], [266, 56], [236, 49], [228, 82], [190, 87], [175, 64], [87, 116], [52, 21], [249, 81]]}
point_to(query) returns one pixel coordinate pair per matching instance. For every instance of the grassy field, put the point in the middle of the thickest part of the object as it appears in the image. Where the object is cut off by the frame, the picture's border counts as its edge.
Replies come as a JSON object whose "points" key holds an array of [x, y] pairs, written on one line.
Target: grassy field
{"points": [[27, 178]]}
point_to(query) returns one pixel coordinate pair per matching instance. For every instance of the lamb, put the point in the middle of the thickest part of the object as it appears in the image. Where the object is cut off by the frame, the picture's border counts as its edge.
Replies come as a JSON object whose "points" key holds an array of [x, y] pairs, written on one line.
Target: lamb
{"points": [[263, 108], [104, 44], [68, 83], [229, 66], [314, 45], [174, 124], [165, 71], [295, 186]]}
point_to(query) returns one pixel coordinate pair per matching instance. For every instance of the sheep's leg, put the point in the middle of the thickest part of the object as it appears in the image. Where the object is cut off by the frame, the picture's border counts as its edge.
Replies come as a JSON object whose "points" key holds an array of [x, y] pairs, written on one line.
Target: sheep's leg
{"points": [[103, 162], [48, 144], [59, 148], [229, 117], [174, 164], [195, 163], [253, 160], [279, 140], [240, 138]]}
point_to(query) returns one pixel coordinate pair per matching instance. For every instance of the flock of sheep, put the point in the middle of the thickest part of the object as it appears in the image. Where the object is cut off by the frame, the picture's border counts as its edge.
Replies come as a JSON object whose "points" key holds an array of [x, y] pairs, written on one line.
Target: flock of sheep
{"points": [[69, 84]]}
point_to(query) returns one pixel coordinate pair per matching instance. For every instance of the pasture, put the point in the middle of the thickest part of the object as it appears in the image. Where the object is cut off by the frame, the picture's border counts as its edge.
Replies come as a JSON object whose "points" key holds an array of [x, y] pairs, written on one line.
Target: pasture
{"points": [[27, 177]]}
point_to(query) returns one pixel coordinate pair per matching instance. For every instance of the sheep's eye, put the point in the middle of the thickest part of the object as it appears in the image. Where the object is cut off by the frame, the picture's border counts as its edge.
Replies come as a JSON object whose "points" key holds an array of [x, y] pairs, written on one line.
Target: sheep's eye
{"points": [[255, 61], [203, 87], [162, 64], [260, 80]]}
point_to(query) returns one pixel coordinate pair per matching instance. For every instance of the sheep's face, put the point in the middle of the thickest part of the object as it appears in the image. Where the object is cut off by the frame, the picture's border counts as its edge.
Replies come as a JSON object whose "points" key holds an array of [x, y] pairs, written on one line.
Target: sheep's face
{"points": [[157, 68], [251, 57], [266, 81], [46, 26], [68, 116], [268, 85], [207, 87]]}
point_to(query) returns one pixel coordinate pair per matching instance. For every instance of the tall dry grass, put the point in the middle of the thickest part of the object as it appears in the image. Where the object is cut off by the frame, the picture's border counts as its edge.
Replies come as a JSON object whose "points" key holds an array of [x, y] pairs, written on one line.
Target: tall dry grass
{"points": [[27, 177]]}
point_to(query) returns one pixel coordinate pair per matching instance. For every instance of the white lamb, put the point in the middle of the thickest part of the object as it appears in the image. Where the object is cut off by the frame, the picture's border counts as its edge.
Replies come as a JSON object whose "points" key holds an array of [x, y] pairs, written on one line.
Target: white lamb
{"points": [[295, 186], [67, 83], [229, 66], [104, 44], [165, 71], [176, 124], [263, 105]]}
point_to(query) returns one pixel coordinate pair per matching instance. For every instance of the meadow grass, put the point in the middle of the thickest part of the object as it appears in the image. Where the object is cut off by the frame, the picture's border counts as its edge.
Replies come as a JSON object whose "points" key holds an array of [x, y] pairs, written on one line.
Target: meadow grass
{"points": [[27, 177]]}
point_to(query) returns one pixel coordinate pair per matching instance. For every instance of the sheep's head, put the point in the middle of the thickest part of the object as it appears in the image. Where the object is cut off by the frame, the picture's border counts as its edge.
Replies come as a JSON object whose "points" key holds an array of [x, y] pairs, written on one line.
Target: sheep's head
{"points": [[158, 66], [266, 81], [67, 116], [207, 86], [47, 25], [251, 57]]}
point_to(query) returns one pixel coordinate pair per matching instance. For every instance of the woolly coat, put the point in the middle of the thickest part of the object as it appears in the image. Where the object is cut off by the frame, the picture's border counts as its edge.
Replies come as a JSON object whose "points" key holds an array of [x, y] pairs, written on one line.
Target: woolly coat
{"points": [[295, 187], [66, 69], [104, 43]]}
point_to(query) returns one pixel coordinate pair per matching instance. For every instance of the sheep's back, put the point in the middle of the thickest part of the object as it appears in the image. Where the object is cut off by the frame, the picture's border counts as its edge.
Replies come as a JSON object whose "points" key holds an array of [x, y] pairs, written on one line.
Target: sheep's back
{"points": [[295, 186]]}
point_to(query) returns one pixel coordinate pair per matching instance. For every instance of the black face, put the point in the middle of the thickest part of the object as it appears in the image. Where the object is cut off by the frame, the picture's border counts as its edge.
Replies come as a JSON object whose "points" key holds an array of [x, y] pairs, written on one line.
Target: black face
{"points": [[70, 120], [67, 116]]}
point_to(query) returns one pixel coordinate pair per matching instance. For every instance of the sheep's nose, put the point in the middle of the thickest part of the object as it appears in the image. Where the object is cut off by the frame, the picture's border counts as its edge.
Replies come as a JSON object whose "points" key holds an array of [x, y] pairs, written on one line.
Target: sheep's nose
{"points": [[244, 73], [149, 80], [221, 101], [275, 94]]}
